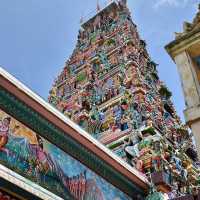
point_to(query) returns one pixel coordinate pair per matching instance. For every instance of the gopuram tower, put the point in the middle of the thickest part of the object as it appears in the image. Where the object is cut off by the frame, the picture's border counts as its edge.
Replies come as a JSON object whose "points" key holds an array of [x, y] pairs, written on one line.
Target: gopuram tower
{"points": [[110, 87]]}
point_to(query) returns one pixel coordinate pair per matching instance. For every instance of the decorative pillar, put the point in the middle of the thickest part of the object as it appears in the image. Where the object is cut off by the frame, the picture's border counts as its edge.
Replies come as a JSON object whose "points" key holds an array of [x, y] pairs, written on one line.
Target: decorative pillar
{"points": [[188, 79]]}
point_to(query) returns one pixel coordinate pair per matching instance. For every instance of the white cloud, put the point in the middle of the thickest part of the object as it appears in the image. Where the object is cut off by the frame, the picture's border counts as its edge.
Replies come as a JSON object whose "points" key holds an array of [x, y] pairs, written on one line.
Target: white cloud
{"points": [[174, 3]]}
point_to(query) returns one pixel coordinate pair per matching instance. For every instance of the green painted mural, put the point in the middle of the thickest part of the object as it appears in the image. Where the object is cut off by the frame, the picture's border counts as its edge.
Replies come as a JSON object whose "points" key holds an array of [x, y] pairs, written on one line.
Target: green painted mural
{"points": [[27, 153]]}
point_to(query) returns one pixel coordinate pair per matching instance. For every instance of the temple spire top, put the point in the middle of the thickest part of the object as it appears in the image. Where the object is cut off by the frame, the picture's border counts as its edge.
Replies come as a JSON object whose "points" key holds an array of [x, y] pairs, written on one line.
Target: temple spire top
{"points": [[98, 6]]}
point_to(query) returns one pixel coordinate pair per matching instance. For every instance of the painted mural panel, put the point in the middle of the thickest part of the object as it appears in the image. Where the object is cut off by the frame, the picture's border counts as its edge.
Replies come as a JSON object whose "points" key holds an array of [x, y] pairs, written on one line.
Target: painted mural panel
{"points": [[28, 154]]}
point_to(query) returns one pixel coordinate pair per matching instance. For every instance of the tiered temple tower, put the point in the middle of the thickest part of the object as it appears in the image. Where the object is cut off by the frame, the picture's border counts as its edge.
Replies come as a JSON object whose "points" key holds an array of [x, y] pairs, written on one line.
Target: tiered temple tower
{"points": [[110, 87]]}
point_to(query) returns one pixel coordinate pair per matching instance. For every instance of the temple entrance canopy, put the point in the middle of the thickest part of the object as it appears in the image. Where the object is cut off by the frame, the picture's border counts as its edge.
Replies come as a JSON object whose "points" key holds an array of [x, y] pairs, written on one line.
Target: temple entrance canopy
{"points": [[49, 156]]}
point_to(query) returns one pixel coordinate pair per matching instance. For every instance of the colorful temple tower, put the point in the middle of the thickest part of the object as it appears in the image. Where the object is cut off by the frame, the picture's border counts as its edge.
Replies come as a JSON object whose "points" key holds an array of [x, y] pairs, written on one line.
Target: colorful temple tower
{"points": [[110, 87]]}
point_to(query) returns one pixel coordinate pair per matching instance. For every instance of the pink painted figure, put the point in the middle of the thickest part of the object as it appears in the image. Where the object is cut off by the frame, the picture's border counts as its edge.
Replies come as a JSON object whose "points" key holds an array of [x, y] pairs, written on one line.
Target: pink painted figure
{"points": [[42, 162]]}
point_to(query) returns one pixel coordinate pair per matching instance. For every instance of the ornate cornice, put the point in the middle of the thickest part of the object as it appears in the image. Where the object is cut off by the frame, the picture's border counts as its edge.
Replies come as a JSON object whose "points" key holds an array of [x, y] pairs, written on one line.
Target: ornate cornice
{"points": [[181, 44], [22, 112], [188, 27], [185, 39]]}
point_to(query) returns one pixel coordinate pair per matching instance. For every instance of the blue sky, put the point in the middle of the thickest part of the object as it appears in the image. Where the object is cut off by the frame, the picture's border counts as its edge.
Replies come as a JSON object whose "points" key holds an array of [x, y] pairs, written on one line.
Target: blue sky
{"points": [[37, 37]]}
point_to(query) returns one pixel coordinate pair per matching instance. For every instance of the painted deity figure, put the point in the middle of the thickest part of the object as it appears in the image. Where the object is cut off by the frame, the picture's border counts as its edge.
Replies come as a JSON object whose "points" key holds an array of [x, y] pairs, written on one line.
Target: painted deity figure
{"points": [[123, 71], [177, 162], [157, 159], [42, 164], [124, 123], [136, 119], [117, 112], [104, 60], [184, 174], [4, 131], [134, 140]]}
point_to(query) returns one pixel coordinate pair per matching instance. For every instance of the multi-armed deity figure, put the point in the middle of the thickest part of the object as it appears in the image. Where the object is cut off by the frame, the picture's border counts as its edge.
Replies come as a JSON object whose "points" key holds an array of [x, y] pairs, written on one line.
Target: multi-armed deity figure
{"points": [[110, 87]]}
